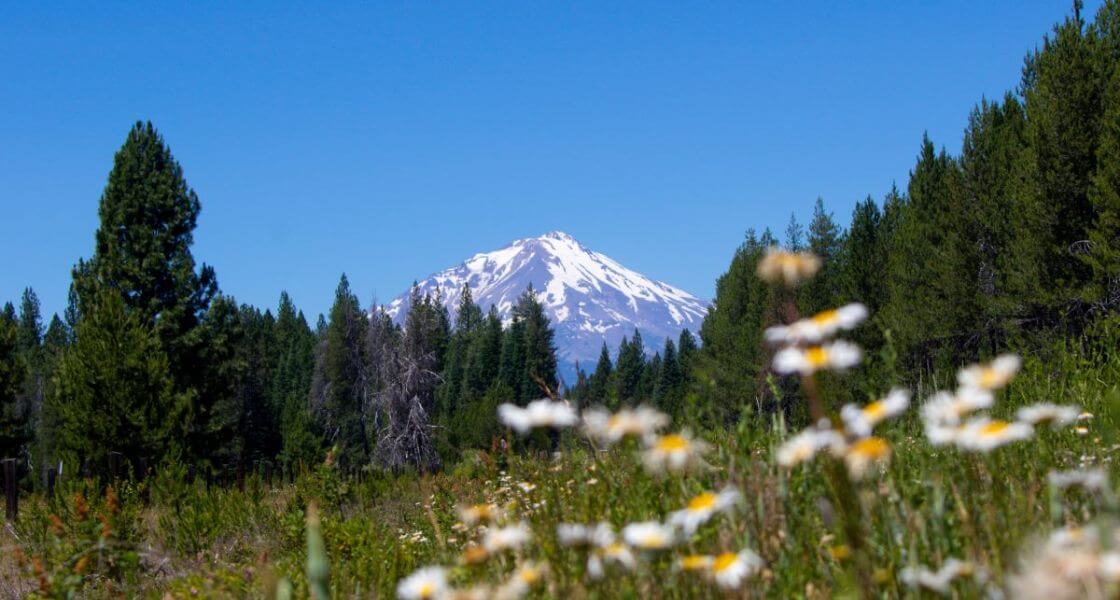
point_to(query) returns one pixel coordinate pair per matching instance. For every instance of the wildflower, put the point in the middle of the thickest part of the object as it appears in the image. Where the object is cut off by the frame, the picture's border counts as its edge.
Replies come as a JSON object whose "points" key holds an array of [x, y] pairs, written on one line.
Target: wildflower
{"points": [[539, 413], [695, 562], [864, 453], [790, 268], [1090, 479], [984, 434], [616, 553], [675, 453], [818, 327], [479, 513], [939, 434], [730, 569], [805, 445], [938, 581], [946, 408], [838, 355], [575, 534], [642, 422], [429, 582], [649, 535], [702, 507], [1045, 412], [506, 538], [991, 376], [474, 555], [521, 581], [860, 421]]}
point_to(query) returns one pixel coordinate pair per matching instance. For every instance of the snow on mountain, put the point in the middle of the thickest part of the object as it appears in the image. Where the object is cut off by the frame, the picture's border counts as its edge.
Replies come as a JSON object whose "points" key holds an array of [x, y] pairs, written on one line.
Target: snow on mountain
{"points": [[589, 297]]}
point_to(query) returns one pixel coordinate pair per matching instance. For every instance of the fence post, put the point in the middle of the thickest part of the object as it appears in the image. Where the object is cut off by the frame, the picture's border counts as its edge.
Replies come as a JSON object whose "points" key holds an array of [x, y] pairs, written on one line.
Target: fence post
{"points": [[115, 465], [10, 491]]}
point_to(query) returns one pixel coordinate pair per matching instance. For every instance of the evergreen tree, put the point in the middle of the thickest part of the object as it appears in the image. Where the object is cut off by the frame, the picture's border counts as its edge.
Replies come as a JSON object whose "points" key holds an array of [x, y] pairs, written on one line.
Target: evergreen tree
{"points": [[826, 241], [540, 351], [142, 252], [338, 384], [295, 364], [795, 235], [628, 369], [600, 382], [1104, 193], [114, 391], [669, 394], [13, 430]]}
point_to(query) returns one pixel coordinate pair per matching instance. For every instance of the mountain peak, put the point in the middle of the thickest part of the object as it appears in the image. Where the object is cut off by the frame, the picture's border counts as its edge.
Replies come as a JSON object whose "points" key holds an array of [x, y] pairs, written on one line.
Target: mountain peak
{"points": [[589, 297]]}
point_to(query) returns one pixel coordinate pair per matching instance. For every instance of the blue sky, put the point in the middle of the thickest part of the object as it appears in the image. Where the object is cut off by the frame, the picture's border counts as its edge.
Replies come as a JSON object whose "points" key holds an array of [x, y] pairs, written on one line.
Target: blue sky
{"points": [[391, 140]]}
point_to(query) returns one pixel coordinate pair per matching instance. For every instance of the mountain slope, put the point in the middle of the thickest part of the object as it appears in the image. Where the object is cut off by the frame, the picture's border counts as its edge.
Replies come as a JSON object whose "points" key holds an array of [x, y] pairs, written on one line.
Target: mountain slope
{"points": [[589, 297]]}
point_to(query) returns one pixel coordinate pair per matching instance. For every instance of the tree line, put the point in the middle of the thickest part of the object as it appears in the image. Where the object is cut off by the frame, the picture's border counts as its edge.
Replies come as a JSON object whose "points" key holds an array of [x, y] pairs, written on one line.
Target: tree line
{"points": [[1007, 243]]}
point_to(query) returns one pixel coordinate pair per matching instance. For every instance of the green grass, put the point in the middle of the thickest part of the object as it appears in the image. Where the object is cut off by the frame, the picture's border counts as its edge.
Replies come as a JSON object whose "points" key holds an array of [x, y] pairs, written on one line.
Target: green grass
{"points": [[929, 504]]}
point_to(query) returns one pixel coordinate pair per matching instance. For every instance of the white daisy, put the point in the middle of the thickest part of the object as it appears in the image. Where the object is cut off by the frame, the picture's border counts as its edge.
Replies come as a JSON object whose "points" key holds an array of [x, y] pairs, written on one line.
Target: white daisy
{"points": [[429, 582], [818, 327], [577, 534], [865, 453], [702, 507], [991, 376], [506, 538], [649, 535], [479, 513], [675, 452], [1055, 414], [940, 580], [805, 445], [860, 421], [538, 413], [614, 553], [731, 569], [601, 425], [838, 356], [789, 268], [983, 434], [946, 408], [1090, 479], [522, 580]]}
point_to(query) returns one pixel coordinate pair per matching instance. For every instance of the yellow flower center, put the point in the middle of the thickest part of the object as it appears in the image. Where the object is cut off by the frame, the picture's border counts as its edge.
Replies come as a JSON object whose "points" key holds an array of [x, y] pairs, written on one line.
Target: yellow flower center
{"points": [[695, 562], [826, 317], [875, 411], [990, 378], [426, 590], [872, 447], [672, 443], [474, 555], [530, 576], [702, 502], [817, 356], [994, 428], [614, 549], [723, 561]]}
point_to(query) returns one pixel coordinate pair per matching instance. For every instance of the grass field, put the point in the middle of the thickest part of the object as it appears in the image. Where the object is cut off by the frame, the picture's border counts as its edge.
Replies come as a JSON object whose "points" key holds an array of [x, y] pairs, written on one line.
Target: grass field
{"points": [[984, 523]]}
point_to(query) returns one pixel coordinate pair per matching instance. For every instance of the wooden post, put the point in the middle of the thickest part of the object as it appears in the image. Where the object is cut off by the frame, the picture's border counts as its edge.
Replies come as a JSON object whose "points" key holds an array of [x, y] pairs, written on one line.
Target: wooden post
{"points": [[268, 473], [10, 491], [240, 477], [115, 465]]}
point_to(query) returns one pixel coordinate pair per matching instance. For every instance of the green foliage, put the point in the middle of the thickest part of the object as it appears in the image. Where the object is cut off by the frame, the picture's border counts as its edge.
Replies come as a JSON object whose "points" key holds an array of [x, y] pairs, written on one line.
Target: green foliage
{"points": [[13, 430], [114, 391]]}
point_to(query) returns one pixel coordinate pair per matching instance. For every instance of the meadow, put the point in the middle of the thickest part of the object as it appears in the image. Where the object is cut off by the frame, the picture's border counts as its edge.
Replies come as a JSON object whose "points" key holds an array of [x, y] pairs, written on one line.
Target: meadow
{"points": [[1001, 486]]}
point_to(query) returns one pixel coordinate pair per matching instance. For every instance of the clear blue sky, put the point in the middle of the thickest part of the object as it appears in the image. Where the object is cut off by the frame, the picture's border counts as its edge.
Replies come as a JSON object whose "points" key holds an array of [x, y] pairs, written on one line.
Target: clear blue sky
{"points": [[390, 140]]}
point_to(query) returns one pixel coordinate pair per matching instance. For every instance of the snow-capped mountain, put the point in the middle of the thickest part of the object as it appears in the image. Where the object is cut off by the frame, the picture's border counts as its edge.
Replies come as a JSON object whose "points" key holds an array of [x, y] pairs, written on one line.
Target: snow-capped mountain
{"points": [[589, 297]]}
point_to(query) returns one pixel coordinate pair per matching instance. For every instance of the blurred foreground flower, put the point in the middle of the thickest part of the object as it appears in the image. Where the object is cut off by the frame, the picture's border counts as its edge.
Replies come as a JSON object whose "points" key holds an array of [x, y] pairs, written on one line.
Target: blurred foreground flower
{"points": [[1056, 415], [538, 413], [837, 356], [789, 268], [506, 538], [649, 535], [865, 453], [600, 425], [819, 327], [805, 445], [675, 453], [983, 434], [939, 581], [860, 421], [702, 507], [429, 582], [990, 376]]}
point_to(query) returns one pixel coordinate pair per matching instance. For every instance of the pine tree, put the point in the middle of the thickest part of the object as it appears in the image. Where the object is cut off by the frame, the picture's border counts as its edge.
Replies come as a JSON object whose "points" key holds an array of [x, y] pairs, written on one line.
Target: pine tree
{"points": [[628, 369], [795, 235], [114, 391], [826, 241], [1104, 236], [600, 382], [142, 252], [540, 351], [337, 388], [668, 393], [732, 361], [295, 364], [13, 430]]}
